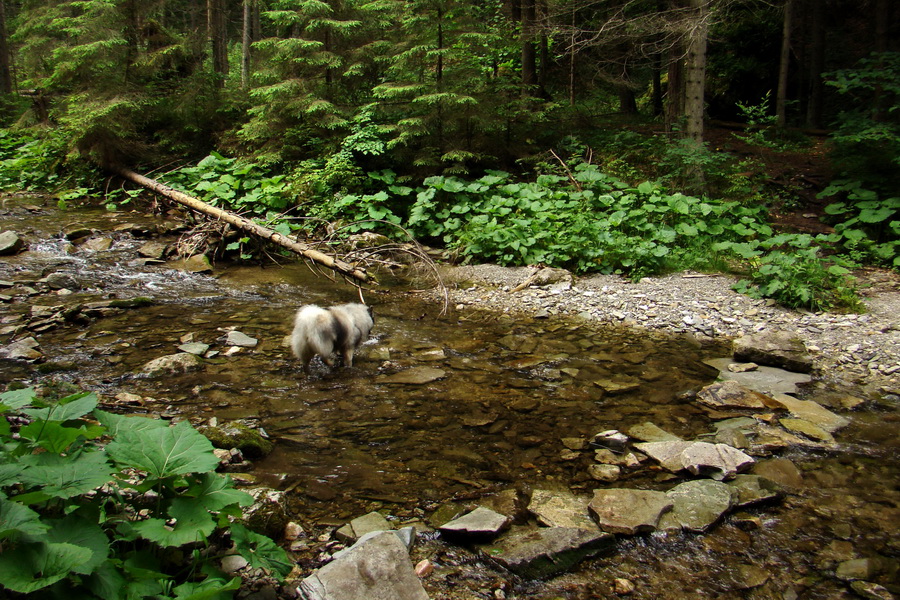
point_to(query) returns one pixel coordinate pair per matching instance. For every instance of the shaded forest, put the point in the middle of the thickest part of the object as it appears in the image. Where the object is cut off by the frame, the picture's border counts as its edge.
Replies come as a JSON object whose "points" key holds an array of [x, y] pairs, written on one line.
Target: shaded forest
{"points": [[354, 110]]}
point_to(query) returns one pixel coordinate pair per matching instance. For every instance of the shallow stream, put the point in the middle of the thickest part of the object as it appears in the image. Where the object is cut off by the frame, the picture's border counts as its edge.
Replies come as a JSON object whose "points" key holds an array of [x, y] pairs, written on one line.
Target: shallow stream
{"points": [[350, 440]]}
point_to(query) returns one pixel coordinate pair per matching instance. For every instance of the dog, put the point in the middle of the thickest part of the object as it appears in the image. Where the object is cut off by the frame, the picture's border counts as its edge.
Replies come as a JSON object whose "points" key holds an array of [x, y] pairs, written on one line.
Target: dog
{"points": [[325, 331]]}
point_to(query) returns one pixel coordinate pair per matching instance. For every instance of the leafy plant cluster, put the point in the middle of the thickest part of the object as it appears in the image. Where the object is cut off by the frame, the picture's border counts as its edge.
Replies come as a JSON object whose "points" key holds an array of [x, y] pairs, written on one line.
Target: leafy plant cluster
{"points": [[591, 221], [867, 227], [29, 162], [98, 505]]}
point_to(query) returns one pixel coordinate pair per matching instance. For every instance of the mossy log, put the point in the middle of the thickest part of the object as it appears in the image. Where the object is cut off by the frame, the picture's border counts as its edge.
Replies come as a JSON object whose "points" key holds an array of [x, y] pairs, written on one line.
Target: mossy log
{"points": [[246, 225]]}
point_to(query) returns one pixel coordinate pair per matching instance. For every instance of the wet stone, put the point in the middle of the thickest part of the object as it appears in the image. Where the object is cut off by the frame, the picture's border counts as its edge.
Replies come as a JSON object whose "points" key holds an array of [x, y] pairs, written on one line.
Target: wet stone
{"points": [[697, 505], [731, 394], [604, 472], [26, 349], [774, 349], [377, 568], [414, 376], [360, 526], [172, 364], [627, 511], [242, 340], [611, 439], [754, 489], [779, 470], [560, 509], [718, 461], [808, 429], [811, 411], [196, 348], [481, 523], [768, 380], [542, 552], [649, 432], [10, 243]]}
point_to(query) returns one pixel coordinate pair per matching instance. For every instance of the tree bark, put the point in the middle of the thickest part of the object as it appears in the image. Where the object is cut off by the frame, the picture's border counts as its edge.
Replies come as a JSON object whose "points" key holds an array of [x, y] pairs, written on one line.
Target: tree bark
{"points": [[215, 29], [246, 38], [695, 70], [245, 225], [816, 65], [6, 82], [783, 67]]}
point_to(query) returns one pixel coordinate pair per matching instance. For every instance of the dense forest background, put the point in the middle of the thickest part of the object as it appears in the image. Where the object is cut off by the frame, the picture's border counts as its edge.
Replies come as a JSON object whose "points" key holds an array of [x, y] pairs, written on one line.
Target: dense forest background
{"points": [[582, 133]]}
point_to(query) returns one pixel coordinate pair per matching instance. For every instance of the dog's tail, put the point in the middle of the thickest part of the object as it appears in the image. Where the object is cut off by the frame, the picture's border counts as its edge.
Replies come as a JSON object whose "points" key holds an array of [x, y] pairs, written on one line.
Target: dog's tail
{"points": [[313, 333]]}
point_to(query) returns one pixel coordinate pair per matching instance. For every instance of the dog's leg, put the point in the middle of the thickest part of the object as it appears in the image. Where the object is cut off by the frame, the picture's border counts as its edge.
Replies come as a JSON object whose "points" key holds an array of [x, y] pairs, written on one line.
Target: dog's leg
{"points": [[348, 357]]}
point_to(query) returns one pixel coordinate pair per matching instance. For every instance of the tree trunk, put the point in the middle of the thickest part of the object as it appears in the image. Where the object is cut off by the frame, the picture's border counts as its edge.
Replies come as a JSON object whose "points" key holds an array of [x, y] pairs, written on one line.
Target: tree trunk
{"points": [[816, 65], [246, 38], [529, 58], [245, 225], [215, 29], [6, 82], [695, 70], [783, 67]]}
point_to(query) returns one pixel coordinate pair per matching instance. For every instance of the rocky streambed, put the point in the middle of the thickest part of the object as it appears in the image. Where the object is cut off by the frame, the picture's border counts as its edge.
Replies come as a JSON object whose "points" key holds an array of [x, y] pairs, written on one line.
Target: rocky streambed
{"points": [[549, 438]]}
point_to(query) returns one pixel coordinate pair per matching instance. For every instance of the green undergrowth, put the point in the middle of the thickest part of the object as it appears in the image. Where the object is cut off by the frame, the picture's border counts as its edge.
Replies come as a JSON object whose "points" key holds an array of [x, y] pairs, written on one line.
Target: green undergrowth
{"points": [[98, 505], [589, 221]]}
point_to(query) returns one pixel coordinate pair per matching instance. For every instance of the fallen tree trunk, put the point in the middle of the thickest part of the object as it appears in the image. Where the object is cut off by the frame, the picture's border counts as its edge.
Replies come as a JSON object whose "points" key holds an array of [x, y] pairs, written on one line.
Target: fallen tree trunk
{"points": [[247, 225]]}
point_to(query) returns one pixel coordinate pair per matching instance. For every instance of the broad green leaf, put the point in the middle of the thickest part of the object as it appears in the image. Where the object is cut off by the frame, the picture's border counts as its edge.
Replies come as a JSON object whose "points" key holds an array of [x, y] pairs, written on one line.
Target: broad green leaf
{"points": [[54, 436], [164, 452], [116, 424], [260, 551], [18, 521], [208, 588], [15, 399], [107, 582], [875, 215], [65, 477], [30, 567], [193, 526], [10, 473], [66, 409], [216, 492], [78, 531]]}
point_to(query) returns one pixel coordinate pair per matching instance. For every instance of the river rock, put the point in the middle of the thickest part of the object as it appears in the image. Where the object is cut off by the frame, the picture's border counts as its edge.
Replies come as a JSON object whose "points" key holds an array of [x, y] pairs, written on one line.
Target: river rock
{"points": [[155, 250], [10, 243], [377, 568], [360, 526], [774, 349], [718, 461], [754, 489], [779, 470], [541, 552], [871, 591], [731, 394], [611, 439], [172, 364], [24, 349], [269, 512], [620, 510], [196, 348], [415, 376], [199, 263], [236, 338], [650, 432], [697, 505], [812, 412], [560, 509], [481, 523], [810, 430], [767, 380], [59, 281], [604, 472], [235, 434], [98, 244]]}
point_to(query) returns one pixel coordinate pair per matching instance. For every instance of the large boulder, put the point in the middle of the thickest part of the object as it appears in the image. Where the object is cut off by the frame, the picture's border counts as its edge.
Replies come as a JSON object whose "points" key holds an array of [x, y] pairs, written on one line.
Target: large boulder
{"points": [[774, 349], [376, 568]]}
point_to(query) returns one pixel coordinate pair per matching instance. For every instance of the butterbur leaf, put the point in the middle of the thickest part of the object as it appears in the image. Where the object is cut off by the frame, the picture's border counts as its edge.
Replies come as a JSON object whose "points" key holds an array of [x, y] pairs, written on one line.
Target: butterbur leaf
{"points": [[80, 532], [260, 551], [17, 521], [165, 451], [30, 567], [115, 424], [53, 436], [16, 399], [193, 526], [107, 582], [10, 474], [65, 477], [211, 587], [66, 409], [875, 215], [216, 492]]}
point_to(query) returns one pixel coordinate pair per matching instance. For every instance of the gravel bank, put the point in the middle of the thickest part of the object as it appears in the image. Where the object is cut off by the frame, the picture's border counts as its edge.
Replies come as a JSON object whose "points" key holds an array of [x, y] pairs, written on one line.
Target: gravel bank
{"points": [[858, 350]]}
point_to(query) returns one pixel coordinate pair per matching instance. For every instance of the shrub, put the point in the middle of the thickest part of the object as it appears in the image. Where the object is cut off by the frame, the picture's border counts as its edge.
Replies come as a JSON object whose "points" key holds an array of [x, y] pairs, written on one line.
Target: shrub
{"points": [[94, 504]]}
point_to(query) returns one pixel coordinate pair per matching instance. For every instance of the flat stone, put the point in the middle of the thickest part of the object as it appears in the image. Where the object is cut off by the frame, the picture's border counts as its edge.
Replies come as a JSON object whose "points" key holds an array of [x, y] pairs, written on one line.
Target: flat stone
{"points": [[808, 429], [25, 349], [98, 244], [697, 505], [360, 526], [172, 364], [377, 568], [561, 509], [197, 348], [414, 376], [811, 411], [779, 470], [10, 243], [774, 349], [604, 472], [236, 338], [731, 394], [649, 432], [718, 461], [154, 249], [768, 380], [542, 552], [627, 511], [480, 523], [754, 489]]}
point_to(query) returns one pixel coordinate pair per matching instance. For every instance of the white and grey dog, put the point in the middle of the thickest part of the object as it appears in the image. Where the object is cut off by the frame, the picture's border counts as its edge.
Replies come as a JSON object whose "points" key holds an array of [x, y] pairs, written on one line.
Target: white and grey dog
{"points": [[325, 331]]}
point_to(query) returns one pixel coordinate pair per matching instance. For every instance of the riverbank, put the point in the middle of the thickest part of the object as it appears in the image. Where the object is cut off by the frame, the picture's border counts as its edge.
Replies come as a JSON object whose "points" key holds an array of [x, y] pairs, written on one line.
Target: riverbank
{"points": [[848, 350]]}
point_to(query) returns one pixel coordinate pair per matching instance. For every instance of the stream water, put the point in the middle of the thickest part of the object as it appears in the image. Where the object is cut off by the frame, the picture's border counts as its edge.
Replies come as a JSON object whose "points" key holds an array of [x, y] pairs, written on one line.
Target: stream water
{"points": [[350, 440]]}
